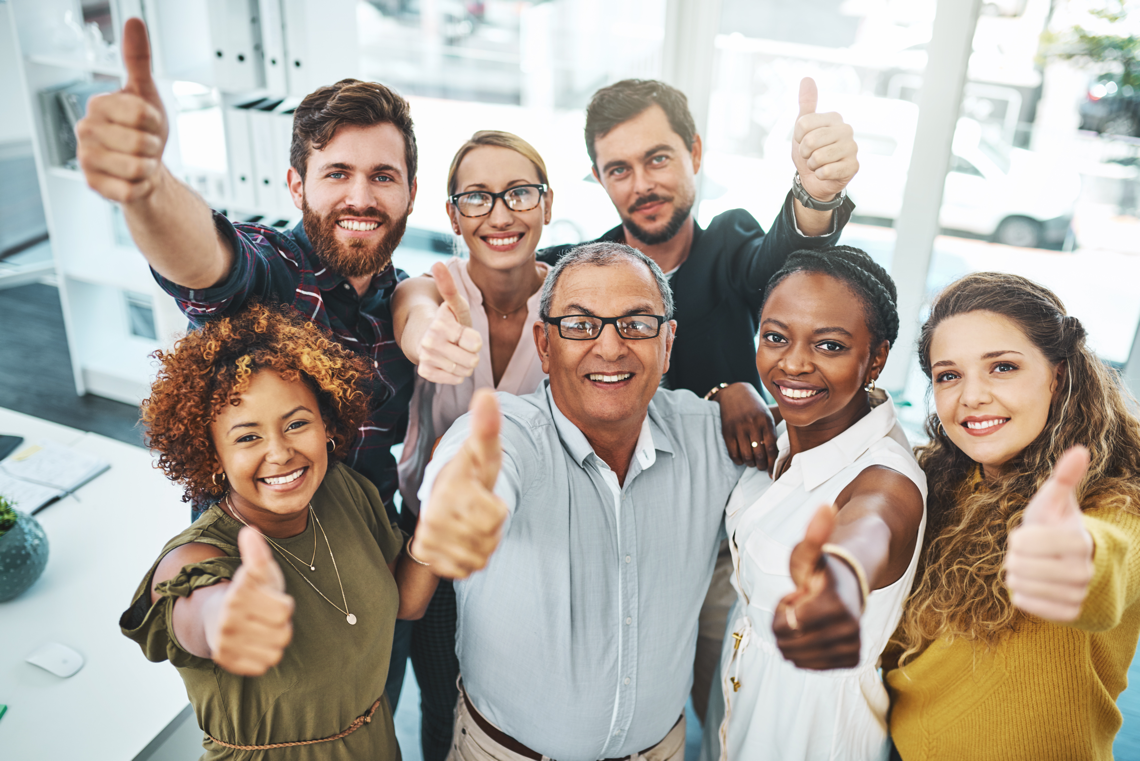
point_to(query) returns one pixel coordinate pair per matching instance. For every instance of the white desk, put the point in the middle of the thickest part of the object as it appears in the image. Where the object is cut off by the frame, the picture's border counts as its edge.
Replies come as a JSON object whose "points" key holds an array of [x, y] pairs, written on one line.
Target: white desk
{"points": [[102, 541]]}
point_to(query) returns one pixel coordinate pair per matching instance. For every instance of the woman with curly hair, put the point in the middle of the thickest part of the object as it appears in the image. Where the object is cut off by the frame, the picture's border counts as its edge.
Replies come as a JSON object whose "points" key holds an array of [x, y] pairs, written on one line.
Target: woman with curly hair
{"points": [[277, 605], [799, 678], [1017, 637]]}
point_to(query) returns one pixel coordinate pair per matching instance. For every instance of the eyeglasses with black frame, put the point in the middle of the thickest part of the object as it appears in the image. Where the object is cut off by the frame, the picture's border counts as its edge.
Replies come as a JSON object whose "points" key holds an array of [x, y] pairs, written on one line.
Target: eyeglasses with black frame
{"points": [[480, 203], [587, 327]]}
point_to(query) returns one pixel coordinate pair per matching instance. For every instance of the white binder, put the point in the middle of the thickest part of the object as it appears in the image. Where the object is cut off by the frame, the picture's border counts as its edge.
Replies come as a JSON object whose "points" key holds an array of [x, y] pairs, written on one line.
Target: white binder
{"points": [[311, 31], [239, 155], [283, 134], [235, 37], [273, 46]]}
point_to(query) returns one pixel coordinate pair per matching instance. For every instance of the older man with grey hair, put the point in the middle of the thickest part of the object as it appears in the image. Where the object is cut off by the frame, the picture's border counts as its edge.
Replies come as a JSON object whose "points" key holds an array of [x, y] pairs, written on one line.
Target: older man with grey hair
{"points": [[576, 641]]}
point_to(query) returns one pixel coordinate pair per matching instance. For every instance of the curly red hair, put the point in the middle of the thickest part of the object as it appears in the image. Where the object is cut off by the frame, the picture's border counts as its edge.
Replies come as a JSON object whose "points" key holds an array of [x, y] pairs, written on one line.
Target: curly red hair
{"points": [[212, 366]]}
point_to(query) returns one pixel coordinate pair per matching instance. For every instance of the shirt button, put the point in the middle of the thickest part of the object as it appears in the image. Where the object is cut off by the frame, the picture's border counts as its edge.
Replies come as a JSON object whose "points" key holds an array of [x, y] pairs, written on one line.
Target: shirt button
{"points": [[628, 559], [617, 733], [628, 620], [627, 680]]}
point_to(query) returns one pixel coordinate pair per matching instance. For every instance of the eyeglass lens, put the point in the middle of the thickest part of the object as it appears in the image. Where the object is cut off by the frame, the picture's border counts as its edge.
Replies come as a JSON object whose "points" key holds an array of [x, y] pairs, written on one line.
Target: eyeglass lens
{"points": [[583, 327], [476, 204]]}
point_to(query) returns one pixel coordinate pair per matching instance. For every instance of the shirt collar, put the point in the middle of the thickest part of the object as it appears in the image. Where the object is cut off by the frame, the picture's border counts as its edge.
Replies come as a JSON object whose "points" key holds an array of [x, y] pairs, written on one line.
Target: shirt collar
{"points": [[326, 279], [575, 442], [819, 464]]}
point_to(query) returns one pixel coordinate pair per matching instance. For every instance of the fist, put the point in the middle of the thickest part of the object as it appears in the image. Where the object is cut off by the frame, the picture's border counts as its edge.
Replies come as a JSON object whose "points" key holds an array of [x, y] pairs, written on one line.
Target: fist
{"points": [[1049, 562], [462, 521], [449, 350], [123, 135], [823, 147], [255, 621]]}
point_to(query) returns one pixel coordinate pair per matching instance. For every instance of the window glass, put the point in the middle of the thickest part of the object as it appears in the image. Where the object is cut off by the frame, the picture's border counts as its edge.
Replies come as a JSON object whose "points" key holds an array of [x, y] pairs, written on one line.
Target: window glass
{"points": [[1054, 142]]}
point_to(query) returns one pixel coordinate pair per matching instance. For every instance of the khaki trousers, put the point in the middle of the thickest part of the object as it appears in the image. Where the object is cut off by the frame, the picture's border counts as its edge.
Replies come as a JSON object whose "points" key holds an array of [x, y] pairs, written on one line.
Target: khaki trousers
{"points": [[470, 743]]}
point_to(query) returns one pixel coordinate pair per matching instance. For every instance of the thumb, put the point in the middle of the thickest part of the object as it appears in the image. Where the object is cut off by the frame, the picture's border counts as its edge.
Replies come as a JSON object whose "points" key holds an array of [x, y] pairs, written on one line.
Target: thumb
{"points": [[1056, 501], [445, 284], [806, 556], [483, 441], [809, 96], [257, 561], [136, 60]]}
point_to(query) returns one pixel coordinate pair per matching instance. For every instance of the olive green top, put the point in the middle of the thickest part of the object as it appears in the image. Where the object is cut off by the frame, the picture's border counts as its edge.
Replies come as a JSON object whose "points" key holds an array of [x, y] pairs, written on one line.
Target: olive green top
{"points": [[331, 672]]}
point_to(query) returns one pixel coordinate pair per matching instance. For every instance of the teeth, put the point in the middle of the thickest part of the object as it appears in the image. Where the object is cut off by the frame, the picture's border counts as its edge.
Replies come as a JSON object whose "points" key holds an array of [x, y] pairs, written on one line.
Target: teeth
{"points": [[799, 393], [608, 378], [503, 241], [978, 425], [360, 227], [288, 478]]}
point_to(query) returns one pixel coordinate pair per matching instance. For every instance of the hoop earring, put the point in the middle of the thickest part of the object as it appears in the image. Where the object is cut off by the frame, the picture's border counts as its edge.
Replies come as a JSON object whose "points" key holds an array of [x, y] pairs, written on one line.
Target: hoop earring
{"points": [[941, 430], [869, 386], [331, 445], [214, 479]]}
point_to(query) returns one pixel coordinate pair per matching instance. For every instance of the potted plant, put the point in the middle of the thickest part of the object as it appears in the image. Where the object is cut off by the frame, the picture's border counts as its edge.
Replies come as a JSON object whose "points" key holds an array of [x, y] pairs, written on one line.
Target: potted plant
{"points": [[23, 550]]}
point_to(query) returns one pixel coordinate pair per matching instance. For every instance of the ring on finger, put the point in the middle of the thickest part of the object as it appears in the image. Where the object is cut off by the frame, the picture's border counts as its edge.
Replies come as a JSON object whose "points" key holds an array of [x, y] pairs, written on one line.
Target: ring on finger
{"points": [[454, 365], [790, 615], [755, 444]]}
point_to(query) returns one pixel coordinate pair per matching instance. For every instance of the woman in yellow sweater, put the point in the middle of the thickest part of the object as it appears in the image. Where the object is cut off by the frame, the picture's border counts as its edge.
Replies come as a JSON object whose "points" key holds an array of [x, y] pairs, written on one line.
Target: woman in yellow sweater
{"points": [[1017, 637]]}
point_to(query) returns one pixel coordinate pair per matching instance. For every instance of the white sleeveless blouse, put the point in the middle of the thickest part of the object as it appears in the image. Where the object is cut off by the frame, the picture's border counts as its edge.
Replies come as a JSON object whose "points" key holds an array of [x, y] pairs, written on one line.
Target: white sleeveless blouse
{"points": [[779, 711]]}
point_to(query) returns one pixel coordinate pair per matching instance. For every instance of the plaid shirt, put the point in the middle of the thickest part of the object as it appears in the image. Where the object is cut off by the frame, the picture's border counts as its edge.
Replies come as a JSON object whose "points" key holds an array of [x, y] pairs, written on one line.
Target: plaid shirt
{"points": [[281, 267]]}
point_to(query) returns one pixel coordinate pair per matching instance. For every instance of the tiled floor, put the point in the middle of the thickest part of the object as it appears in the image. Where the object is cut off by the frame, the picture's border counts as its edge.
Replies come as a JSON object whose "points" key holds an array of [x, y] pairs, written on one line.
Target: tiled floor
{"points": [[35, 378]]}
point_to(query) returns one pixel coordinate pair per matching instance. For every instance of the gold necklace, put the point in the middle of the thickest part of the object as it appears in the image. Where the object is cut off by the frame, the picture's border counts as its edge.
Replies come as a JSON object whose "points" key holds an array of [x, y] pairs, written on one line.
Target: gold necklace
{"points": [[311, 565], [505, 315], [348, 616]]}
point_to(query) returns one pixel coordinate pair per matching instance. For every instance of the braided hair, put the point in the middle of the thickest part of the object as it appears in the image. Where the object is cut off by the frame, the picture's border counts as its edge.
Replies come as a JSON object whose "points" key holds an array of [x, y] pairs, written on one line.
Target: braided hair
{"points": [[859, 271]]}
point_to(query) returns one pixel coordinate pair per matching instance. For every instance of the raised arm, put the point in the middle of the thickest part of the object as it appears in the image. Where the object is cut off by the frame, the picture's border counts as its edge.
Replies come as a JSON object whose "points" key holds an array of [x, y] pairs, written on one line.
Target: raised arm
{"points": [[824, 152], [243, 624], [432, 323], [120, 145], [461, 522], [862, 543]]}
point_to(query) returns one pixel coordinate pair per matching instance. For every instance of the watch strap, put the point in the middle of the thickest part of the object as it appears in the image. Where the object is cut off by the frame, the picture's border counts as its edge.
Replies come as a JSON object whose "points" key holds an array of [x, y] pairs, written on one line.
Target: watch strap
{"points": [[810, 202]]}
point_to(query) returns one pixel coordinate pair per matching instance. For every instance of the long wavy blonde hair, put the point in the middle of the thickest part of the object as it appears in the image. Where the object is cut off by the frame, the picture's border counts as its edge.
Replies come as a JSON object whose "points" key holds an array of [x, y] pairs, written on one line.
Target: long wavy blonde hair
{"points": [[959, 591]]}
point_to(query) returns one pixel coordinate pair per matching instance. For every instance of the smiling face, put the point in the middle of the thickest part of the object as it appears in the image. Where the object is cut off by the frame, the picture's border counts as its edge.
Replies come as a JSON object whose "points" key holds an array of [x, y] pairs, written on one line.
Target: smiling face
{"points": [[815, 352], [992, 386], [355, 198], [272, 447], [649, 174], [605, 384], [503, 239]]}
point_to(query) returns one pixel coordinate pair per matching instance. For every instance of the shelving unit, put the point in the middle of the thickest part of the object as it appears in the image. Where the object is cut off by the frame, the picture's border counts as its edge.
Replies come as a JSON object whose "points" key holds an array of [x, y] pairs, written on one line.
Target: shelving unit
{"points": [[114, 313]]}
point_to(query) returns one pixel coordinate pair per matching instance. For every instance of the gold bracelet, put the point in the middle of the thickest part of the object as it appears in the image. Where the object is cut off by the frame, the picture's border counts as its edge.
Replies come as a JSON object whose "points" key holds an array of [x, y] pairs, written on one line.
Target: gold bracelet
{"points": [[845, 555], [715, 390], [408, 552]]}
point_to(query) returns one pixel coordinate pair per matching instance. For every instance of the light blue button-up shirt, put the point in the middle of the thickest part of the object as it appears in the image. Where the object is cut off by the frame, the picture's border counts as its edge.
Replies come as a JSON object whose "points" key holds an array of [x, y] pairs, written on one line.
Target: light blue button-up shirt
{"points": [[578, 638]]}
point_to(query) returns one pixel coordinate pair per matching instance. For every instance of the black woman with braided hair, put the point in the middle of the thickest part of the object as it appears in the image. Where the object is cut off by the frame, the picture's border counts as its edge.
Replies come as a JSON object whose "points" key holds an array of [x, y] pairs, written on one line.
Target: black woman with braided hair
{"points": [[824, 554]]}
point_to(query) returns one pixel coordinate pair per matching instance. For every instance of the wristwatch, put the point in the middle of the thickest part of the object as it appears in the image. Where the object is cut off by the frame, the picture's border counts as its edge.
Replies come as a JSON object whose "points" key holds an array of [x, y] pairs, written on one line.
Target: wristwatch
{"points": [[809, 202]]}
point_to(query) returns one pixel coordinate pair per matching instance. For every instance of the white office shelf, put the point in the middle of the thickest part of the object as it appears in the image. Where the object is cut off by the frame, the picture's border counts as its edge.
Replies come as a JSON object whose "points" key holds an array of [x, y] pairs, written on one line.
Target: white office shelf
{"points": [[77, 64], [99, 271]]}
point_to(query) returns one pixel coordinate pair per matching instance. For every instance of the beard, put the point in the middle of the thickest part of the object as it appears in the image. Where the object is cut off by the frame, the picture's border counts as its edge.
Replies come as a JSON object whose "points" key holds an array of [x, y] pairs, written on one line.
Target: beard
{"points": [[666, 233], [353, 258]]}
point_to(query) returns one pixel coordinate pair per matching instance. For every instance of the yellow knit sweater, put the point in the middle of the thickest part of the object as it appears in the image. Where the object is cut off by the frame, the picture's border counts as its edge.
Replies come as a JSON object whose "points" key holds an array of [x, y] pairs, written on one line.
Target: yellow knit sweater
{"points": [[1048, 691]]}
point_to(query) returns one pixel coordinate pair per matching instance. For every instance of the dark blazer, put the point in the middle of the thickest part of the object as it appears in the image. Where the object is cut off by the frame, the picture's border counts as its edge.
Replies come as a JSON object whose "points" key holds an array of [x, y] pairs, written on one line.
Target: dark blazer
{"points": [[719, 289]]}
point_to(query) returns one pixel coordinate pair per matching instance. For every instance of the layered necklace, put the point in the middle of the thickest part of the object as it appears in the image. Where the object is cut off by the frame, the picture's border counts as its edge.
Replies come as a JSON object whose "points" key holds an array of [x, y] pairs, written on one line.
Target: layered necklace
{"points": [[312, 567]]}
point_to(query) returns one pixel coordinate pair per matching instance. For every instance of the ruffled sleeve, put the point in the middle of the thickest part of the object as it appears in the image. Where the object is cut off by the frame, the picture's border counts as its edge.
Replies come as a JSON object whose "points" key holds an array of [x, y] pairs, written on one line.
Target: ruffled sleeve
{"points": [[152, 627]]}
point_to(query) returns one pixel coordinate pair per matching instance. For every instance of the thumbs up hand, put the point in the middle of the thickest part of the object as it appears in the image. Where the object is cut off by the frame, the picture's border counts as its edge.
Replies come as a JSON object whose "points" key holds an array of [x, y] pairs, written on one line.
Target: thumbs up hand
{"points": [[817, 625], [823, 147], [121, 139], [461, 523], [449, 350], [255, 618], [1049, 563]]}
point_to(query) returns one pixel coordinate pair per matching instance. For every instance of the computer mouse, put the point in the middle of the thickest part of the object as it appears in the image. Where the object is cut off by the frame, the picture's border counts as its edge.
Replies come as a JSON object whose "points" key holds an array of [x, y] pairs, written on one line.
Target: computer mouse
{"points": [[57, 659]]}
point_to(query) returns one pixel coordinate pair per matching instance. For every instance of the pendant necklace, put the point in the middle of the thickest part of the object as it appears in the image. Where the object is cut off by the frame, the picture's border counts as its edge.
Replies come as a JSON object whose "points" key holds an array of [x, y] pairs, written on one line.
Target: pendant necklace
{"points": [[505, 315], [348, 616]]}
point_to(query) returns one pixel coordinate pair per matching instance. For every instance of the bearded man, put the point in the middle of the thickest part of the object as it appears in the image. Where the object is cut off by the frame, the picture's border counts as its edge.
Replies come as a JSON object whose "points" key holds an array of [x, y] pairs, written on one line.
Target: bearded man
{"points": [[352, 174]]}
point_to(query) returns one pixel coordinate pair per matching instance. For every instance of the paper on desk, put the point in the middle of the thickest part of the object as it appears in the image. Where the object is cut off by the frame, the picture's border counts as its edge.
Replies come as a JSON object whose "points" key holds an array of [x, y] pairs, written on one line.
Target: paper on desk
{"points": [[34, 475]]}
